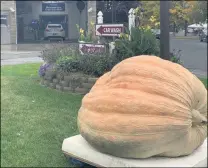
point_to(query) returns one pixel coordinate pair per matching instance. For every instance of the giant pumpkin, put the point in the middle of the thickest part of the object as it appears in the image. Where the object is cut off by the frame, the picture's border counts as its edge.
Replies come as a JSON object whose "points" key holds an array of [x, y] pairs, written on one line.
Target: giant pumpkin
{"points": [[145, 106]]}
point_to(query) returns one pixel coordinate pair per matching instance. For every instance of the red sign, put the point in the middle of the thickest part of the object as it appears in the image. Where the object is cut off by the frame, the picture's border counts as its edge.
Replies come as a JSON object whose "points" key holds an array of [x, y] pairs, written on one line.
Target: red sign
{"points": [[86, 48], [109, 29]]}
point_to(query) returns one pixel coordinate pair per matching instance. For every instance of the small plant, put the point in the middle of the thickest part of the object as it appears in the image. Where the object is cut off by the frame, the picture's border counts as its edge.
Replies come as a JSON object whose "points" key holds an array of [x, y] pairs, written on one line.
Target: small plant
{"points": [[43, 68], [52, 55], [67, 64], [89, 35], [96, 65], [175, 56], [143, 42]]}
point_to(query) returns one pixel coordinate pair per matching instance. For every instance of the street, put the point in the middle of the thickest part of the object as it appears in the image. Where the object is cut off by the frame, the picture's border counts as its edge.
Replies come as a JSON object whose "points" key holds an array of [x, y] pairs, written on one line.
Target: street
{"points": [[193, 54]]}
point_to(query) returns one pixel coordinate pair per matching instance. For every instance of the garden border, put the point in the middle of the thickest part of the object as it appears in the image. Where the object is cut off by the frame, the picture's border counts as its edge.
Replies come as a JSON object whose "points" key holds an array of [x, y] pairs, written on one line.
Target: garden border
{"points": [[71, 83]]}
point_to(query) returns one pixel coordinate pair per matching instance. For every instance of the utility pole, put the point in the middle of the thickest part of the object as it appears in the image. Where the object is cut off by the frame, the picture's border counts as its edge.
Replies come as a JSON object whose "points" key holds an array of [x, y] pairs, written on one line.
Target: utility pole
{"points": [[164, 30]]}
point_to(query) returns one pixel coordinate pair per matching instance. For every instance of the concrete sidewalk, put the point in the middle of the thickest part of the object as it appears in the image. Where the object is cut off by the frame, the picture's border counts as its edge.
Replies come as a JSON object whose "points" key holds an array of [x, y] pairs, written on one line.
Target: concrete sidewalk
{"points": [[19, 54], [21, 61], [32, 47]]}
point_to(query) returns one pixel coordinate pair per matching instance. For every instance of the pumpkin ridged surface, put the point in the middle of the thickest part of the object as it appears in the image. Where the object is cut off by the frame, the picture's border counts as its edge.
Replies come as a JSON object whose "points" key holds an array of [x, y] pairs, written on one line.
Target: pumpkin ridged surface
{"points": [[145, 106]]}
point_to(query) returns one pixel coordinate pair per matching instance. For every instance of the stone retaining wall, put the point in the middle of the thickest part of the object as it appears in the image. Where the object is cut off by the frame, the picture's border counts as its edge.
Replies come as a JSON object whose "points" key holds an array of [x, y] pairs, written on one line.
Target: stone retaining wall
{"points": [[71, 83]]}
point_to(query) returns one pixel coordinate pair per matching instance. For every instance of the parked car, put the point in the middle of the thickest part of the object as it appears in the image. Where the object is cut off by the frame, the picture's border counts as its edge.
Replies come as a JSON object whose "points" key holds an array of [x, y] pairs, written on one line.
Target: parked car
{"points": [[54, 31], [156, 32], [203, 35]]}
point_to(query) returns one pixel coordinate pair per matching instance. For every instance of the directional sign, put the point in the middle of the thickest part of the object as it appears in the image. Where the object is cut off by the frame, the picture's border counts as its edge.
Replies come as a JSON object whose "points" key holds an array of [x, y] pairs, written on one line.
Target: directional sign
{"points": [[109, 29], [86, 48]]}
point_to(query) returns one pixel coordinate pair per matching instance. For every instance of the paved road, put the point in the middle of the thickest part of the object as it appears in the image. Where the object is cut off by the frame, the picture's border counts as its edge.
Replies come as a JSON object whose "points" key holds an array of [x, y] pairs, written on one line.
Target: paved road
{"points": [[194, 54]]}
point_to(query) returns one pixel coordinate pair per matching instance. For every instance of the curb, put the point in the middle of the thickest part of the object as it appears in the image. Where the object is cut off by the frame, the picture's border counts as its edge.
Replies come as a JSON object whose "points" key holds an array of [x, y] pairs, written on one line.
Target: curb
{"points": [[186, 38]]}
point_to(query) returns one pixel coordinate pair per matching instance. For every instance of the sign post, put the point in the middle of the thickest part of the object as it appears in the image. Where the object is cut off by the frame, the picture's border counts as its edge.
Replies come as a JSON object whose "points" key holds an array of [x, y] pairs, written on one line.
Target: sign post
{"points": [[164, 29], [109, 29], [86, 48]]}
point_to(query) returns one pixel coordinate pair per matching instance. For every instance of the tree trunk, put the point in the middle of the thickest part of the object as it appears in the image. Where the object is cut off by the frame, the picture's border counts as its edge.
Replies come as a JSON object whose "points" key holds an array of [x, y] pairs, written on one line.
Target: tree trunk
{"points": [[185, 28], [174, 28]]}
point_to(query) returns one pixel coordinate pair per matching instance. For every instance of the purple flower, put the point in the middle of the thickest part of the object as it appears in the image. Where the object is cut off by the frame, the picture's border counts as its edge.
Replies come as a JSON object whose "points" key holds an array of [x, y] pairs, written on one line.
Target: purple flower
{"points": [[43, 69]]}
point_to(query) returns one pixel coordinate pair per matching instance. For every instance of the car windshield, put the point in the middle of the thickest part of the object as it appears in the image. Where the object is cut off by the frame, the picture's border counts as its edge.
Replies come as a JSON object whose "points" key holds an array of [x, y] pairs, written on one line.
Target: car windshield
{"points": [[54, 26]]}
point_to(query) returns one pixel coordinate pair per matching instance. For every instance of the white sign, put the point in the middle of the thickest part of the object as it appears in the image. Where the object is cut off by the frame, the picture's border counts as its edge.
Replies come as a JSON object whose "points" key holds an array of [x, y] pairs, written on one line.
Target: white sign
{"points": [[109, 29]]}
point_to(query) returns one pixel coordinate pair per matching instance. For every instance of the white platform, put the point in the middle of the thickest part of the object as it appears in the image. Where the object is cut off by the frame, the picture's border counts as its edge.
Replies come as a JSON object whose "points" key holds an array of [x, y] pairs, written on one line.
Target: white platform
{"points": [[78, 148]]}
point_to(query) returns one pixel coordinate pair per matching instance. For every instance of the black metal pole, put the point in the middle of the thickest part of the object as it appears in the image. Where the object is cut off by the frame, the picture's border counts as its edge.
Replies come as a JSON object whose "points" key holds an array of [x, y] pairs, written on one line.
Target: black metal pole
{"points": [[112, 8], [164, 30]]}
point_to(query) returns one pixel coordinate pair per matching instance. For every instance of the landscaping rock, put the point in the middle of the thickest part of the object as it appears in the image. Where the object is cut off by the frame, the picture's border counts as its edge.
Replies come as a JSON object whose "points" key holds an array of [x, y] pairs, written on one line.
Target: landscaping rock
{"points": [[92, 80], [81, 90], [50, 74], [75, 82], [67, 89], [49, 78], [67, 78], [55, 80], [84, 79], [60, 76], [52, 85], [64, 83], [87, 85], [59, 87]]}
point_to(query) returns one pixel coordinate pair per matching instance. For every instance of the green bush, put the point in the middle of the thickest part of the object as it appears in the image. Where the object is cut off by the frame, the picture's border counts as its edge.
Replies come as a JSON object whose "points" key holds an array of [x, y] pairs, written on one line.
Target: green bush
{"points": [[67, 64], [95, 65], [143, 42], [53, 54]]}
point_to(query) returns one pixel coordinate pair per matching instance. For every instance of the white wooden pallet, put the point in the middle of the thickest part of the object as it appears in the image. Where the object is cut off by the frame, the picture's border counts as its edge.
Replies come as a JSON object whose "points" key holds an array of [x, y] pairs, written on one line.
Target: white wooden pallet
{"points": [[78, 148]]}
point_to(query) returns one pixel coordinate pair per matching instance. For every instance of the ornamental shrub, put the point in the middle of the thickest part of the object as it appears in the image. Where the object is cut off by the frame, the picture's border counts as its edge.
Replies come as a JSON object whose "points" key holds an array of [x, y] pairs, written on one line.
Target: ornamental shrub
{"points": [[143, 42]]}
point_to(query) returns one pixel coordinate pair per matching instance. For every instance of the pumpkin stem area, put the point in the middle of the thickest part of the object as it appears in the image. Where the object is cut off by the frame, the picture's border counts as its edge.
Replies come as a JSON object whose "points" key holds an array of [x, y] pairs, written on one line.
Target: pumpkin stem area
{"points": [[197, 117]]}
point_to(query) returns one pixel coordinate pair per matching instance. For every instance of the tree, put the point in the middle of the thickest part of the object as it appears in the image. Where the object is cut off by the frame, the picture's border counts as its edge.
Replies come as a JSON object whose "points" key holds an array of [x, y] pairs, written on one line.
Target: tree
{"points": [[199, 13], [116, 11], [180, 13], [148, 13]]}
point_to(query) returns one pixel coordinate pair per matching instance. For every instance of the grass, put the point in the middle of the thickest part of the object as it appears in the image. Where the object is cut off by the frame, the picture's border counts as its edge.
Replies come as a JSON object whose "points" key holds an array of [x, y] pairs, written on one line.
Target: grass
{"points": [[204, 81], [35, 120]]}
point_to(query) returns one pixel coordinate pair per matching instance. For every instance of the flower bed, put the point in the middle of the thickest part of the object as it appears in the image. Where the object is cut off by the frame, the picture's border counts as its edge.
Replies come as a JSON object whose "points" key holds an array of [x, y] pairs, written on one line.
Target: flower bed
{"points": [[67, 69]]}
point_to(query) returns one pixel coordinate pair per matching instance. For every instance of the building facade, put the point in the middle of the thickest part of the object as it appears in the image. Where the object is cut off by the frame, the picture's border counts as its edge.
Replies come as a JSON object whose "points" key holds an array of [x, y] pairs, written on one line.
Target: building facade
{"points": [[8, 16], [18, 17]]}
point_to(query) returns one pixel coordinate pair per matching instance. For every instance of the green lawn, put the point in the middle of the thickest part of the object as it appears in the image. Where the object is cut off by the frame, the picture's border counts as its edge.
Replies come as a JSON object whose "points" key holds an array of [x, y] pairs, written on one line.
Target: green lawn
{"points": [[204, 81], [34, 119]]}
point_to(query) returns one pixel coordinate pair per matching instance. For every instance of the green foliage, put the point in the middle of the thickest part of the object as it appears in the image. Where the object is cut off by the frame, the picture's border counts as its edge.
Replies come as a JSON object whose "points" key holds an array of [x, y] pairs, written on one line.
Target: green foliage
{"points": [[143, 42], [53, 54], [67, 64], [199, 13], [146, 10], [175, 56], [95, 65]]}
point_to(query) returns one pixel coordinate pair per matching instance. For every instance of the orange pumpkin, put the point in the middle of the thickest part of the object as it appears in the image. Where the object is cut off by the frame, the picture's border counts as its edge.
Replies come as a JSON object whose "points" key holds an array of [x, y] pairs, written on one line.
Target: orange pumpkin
{"points": [[145, 106]]}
